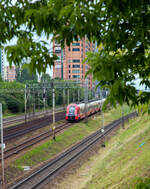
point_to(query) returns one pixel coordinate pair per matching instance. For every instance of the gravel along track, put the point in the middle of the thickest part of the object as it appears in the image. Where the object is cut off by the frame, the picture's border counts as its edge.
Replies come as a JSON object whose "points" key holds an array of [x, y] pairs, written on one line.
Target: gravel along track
{"points": [[16, 149], [24, 128], [41, 177]]}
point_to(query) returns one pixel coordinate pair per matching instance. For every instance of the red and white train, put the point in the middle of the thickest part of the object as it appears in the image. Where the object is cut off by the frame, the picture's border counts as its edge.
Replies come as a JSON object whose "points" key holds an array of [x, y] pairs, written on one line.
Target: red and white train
{"points": [[76, 112]]}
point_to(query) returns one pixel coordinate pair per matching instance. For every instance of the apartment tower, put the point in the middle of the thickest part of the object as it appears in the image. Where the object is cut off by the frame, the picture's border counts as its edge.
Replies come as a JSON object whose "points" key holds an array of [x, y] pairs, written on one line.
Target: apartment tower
{"points": [[69, 66], [2, 63], [10, 73]]}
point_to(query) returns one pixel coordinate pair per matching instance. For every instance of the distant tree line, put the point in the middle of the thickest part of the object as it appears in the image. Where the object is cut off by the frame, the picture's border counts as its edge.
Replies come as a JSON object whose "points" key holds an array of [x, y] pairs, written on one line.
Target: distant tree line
{"points": [[12, 94]]}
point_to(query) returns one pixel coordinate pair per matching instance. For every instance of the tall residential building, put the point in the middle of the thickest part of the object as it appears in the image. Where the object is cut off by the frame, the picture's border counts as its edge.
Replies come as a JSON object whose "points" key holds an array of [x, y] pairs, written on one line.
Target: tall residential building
{"points": [[72, 57], [2, 63], [57, 66], [10, 73]]}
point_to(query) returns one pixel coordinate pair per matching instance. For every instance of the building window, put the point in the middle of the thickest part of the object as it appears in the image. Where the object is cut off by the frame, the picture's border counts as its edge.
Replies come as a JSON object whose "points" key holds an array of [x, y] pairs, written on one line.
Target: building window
{"points": [[76, 76], [76, 66], [69, 76], [75, 49], [69, 66], [86, 67], [75, 71], [76, 60], [75, 44], [57, 51], [69, 71]]}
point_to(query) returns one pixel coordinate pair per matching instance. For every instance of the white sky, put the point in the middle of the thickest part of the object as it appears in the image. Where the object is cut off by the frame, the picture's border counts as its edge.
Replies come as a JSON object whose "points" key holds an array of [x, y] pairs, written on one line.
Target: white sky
{"points": [[13, 41]]}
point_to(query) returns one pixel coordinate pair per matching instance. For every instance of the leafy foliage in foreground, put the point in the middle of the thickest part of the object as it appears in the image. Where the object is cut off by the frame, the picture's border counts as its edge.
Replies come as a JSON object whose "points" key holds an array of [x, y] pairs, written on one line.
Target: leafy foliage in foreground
{"points": [[122, 28]]}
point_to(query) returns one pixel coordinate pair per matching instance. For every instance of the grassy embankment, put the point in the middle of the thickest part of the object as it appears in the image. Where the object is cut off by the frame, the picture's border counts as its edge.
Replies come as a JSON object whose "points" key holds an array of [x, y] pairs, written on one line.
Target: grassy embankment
{"points": [[124, 163], [69, 137]]}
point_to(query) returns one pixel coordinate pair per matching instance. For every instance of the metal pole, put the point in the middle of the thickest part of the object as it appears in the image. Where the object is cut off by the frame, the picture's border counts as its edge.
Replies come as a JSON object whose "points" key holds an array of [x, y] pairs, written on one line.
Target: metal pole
{"points": [[44, 99], [102, 130], [102, 112], [68, 96], [103, 119], [86, 97], [54, 114], [61, 63], [25, 103], [33, 102], [78, 95], [64, 97], [46, 103], [29, 105], [39, 99], [2, 144]]}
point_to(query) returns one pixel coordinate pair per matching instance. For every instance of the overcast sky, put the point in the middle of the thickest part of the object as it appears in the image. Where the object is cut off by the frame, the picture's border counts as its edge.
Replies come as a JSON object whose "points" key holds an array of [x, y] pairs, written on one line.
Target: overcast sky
{"points": [[13, 41]]}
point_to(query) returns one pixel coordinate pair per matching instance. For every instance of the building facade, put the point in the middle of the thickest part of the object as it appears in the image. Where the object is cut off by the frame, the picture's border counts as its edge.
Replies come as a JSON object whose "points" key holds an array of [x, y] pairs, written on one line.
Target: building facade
{"points": [[2, 63], [69, 66], [10, 73], [57, 71]]}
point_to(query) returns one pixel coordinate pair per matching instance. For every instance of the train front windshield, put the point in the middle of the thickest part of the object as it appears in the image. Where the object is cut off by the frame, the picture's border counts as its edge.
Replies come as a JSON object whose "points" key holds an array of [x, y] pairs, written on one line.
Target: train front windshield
{"points": [[72, 110]]}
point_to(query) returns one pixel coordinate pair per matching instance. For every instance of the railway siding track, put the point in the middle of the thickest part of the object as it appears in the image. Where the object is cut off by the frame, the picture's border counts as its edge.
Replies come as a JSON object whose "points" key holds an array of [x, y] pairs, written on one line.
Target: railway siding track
{"points": [[21, 129], [46, 173], [16, 119], [16, 149]]}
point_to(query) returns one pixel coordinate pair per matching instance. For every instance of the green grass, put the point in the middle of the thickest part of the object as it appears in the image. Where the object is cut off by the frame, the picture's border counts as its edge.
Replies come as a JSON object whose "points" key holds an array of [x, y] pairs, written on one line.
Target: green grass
{"points": [[125, 162], [66, 139], [9, 114]]}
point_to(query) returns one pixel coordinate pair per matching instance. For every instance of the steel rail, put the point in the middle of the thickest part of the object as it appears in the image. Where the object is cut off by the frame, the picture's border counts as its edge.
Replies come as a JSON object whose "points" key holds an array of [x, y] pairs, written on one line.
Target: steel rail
{"points": [[19, 130], [16, 149], [12, 120], [38, 178]]}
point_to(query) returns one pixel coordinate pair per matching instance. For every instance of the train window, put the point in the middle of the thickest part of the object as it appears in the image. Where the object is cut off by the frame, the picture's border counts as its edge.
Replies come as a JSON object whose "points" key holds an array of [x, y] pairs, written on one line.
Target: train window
{"points": [[71, 109]]}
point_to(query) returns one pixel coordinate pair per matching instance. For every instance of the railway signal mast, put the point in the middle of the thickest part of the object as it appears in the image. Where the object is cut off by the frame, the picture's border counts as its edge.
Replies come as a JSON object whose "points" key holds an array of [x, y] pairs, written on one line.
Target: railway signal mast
{"points": [[54, 114], [86, 97], [102, 130]]}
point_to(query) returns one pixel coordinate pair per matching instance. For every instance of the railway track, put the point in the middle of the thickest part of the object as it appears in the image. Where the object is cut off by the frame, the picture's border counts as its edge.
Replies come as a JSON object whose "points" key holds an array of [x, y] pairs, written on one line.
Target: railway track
{"points": [[20, 119], [16, 149], [24, 128], [41, 177]]}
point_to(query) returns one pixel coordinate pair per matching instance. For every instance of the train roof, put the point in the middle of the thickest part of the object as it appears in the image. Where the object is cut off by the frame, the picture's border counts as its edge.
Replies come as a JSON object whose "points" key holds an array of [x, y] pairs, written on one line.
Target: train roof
{"points": [[89, 102]]}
